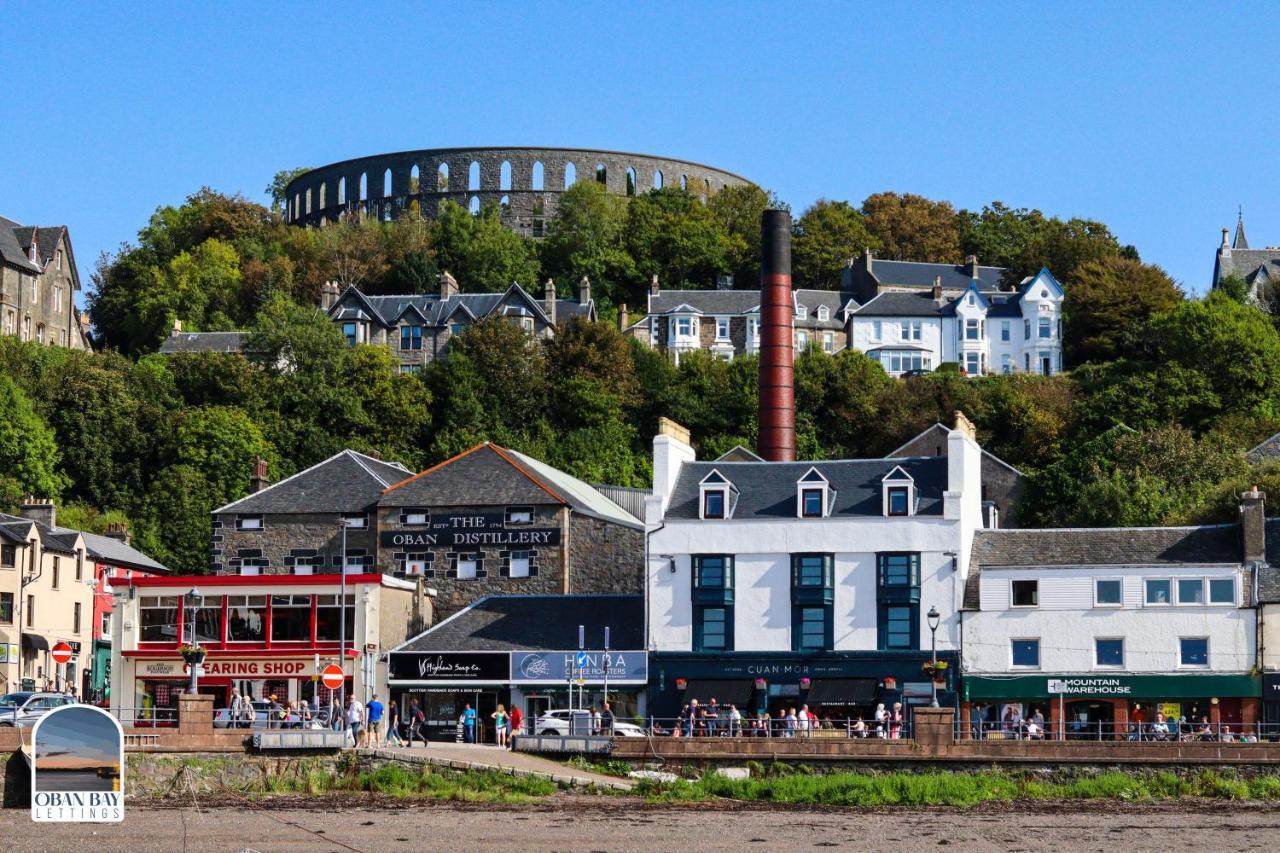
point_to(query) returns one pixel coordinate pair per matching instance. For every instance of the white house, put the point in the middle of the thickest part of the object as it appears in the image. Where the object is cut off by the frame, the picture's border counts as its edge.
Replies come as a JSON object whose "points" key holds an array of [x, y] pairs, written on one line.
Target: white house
{"points": [[776, 584], [1104, 629], [982, 329]]}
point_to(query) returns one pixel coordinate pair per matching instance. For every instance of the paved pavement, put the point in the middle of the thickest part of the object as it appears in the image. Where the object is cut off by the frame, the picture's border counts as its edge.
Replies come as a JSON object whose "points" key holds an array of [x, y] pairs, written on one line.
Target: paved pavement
{"points": [[461, 756]]}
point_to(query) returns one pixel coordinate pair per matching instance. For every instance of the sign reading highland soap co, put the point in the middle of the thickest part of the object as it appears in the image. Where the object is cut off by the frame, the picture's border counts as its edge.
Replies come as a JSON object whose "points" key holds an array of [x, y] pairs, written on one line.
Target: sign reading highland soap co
{"points": [[449, 666], [624, 667], [472, 529], [77, 761]]}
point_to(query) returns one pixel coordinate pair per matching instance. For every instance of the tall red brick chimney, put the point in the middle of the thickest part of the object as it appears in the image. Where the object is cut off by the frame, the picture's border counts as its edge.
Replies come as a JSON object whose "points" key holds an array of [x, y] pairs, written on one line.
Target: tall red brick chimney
{"points": [[777, 393]]}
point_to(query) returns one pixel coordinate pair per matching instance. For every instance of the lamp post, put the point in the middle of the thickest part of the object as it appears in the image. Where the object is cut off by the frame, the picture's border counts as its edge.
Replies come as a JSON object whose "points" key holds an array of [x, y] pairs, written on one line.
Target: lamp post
{"points": [[192, 600], [934, 617]]}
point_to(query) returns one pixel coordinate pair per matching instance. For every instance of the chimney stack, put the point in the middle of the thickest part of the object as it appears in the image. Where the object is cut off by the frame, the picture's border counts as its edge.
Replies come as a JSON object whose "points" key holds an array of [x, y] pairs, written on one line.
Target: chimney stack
{"points": [[177, 328], [118, 530], [584, 291], [622, 318], [971, 266], [777, 441], [653, 285], [448, 286], [41, 510], [1253, 525], [328, 295], [1225, 244], [937, 288], [549, 300], [258, 481]]}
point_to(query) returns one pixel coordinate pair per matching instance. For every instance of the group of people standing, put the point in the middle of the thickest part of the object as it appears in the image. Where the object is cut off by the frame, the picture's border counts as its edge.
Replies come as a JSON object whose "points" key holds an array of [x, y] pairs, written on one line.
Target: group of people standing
{"points": [[716, 720]]}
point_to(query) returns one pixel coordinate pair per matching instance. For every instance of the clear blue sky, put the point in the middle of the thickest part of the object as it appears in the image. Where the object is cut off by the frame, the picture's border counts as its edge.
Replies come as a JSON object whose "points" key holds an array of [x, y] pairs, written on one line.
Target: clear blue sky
{"points": [[1156, 119]]}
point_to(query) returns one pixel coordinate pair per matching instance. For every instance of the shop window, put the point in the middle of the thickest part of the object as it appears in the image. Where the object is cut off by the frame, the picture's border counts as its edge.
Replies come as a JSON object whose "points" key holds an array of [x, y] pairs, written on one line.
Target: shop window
{"points": [[6, 608], [519, 515], [1107, 593], [1222, 591], [1159, 591], [157, 618], [208, 619], [519, 567], [290, 618], [811, 629], [249, 522], [1194, 651], [1108, 652], [329, 617], [898, 626], [1026, 593], [1026, 653], [468, 566], [713, 629], [414, 516], [8, 556], [247, 618]]}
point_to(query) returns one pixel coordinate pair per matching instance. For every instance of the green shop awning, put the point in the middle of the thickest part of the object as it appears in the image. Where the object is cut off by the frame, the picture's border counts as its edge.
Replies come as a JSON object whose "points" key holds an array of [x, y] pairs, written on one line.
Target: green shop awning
{"points": [[1147, 687]]}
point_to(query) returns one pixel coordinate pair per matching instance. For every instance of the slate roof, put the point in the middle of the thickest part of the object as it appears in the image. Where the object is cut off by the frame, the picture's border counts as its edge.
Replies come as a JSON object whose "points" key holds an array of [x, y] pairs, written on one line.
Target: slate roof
{"points": [[1268, 449], [721, 302], [768, 489], [109, 550], [15, 531], [203, 342], [943, 435], [58, 539], [489, 475], [535, 623], [387, 310], [345, 482], [897, 303], [1269, 573], [922, 275], [12, 249], [1070, 548], [1249, 264]]}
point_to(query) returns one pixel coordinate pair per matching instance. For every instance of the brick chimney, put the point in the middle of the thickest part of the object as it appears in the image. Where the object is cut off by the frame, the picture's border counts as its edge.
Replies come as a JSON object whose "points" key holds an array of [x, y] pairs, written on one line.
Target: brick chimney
{"points": [[258, 480], [42, 510], [328, 295], [1253, 525], [971, 266], [549, 300], [375, 454], [118, 530], [448, 286], [1225, 244], [622, 318], [653, 285], [937, 288], [584, 291], [177, 328]]}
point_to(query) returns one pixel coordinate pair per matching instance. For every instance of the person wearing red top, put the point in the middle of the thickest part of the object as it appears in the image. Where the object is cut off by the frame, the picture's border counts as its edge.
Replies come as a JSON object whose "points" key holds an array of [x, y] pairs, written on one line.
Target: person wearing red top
{"points": [[517, 719]]}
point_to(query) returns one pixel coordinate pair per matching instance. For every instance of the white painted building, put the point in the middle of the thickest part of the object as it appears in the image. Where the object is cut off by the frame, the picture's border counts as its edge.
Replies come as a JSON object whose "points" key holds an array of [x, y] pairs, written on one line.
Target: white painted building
{"points": [[1121, 623], [805, 572]]}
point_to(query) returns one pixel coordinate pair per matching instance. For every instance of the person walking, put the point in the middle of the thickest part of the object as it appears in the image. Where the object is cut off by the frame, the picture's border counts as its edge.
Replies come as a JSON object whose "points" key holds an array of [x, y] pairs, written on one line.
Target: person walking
{"points": [[236, 709], [595, 719], [692, 716], [373, 722], [393, 724], [606, 720], [304, 715], [469, 724], [792, 722], [517, 720], [882, 721], [417, 723], [735, 721], [895, 722], [806, 721], [499, 718], [355, 720]]}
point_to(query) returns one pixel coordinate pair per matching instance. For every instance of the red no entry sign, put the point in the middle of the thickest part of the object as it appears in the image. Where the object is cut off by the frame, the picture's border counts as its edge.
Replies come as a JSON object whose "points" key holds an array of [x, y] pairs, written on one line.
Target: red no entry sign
{"points": [[332, 676], [61, 652]]}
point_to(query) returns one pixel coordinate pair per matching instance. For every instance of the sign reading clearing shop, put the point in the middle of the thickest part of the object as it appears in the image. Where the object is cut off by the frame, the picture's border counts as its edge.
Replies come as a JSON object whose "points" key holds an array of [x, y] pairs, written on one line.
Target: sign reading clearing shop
{"points": [[449, 666], [470, 530]]}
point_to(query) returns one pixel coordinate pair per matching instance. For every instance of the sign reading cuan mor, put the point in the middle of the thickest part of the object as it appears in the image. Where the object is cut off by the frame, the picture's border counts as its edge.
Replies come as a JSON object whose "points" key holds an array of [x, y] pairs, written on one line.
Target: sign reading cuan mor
{"points": [[550, 667], [1088, 687], [449, 666], [473, 529]]}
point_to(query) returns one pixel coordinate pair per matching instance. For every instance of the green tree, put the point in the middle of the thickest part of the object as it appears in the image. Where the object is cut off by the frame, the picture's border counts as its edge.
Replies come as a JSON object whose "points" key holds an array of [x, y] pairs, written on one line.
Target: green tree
{"points": [[28, 450], [826, 237], [279, 183], [1064, 247], [585, 238], [671, 234], [480, 252], [1235, 287], [1106, 298], [913, 228], [738, 211], [220, 443]]}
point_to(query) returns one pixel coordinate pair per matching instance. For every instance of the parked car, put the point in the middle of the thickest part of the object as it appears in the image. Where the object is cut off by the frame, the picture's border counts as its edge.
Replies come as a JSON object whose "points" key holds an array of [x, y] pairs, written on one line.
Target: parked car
{"points": [[22, 709], [919, 371], [262, 718], [557, 723]]}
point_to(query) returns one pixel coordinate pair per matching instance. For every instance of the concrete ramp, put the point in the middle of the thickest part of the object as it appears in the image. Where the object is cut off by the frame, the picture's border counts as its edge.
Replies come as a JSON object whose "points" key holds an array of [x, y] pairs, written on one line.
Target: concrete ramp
{"points": [[498, 760]]}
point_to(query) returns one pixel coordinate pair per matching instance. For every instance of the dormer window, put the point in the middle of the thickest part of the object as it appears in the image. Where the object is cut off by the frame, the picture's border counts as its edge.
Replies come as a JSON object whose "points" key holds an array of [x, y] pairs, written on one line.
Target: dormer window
{"points": [[813, 495], [824, 313], [899, 493], [716, 495], [801, 311]]}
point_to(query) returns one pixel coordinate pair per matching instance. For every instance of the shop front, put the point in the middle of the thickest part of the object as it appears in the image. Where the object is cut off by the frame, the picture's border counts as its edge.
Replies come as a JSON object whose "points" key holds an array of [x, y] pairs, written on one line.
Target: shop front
{"points": [[443, 684], [1271, 704], [1105, 707], [837, 687], [543, 681]]}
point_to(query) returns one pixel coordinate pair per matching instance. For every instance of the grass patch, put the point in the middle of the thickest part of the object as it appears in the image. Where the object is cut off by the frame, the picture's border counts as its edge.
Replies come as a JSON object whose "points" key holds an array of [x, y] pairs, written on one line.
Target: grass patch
{"points": [[432, 783], [956, 789], [616, 768]]}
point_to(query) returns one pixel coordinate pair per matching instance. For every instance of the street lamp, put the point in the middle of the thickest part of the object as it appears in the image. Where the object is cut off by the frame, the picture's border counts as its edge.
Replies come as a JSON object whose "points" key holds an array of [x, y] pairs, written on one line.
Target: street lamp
{"points": [[192, 600], [934, 617]]}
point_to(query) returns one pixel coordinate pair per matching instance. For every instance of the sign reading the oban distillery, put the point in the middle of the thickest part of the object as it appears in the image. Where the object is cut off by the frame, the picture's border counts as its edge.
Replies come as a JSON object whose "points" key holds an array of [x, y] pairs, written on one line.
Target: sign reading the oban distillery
{"points": [[471, 529], [77, 758], [449, 666]]}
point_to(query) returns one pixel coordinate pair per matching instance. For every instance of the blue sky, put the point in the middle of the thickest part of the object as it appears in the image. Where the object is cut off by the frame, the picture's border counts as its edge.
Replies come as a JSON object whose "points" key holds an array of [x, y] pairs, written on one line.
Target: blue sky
{"points": [[1155, 119]]}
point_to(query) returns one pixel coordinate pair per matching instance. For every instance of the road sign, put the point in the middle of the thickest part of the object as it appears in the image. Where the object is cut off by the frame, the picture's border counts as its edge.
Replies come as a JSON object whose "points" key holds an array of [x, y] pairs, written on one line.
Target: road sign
{"points": [[61, 652], [581, 660], [333, 676]]}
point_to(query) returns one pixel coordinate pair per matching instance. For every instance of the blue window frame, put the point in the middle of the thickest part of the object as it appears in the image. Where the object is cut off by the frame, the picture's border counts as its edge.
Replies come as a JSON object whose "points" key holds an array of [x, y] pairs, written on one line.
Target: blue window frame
{"points": [[899, 626], [1109, 652], [812, 628], [899, 570], [1194, 651], [713, 629], [713, 571], [410, 337], [349, 332], [812, 570], [1026, 653]]}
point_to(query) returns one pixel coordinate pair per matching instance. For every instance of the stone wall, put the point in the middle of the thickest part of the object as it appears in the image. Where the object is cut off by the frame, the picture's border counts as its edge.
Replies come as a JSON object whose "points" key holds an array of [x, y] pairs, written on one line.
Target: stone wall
{"points": [[605, 557], [284, 539], [446, 173], [30, 297]]}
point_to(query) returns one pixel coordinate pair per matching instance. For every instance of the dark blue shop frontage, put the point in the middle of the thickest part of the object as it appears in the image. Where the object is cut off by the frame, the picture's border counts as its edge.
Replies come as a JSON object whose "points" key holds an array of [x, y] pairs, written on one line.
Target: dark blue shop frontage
{"points": [[835, 685]]}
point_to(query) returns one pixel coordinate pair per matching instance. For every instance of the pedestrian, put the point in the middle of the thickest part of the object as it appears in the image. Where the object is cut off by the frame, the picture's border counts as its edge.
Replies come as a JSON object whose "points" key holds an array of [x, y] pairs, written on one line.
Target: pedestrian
{"points": [[606, 720], [792, 722], [735, 721], [499, 718], [517, 720], [595, 719], [712, 715], [274, 709], [805, 721], [304, 715], [236, 709], [468, 721], [766, 724], [393, 724], [250, 713], [692, 716], [417, 723], [373, 722], [860, 728], [895, 722], [882, 721], [976, 716], [355, 720]]}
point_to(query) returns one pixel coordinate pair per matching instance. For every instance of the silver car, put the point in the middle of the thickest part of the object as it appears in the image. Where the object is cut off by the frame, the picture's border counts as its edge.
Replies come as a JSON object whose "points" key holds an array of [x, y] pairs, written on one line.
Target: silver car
{"points": [[24, 708]]}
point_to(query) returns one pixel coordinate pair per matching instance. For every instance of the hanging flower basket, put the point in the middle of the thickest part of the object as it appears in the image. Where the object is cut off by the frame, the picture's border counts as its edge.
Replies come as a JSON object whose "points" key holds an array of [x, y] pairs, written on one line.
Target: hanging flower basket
{"points": [[193, 654]]}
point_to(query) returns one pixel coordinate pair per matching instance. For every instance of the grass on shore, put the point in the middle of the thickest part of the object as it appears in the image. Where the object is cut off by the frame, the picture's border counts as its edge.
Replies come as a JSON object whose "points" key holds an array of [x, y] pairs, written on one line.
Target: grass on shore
{"points": [[474, 786], [957, 789]]}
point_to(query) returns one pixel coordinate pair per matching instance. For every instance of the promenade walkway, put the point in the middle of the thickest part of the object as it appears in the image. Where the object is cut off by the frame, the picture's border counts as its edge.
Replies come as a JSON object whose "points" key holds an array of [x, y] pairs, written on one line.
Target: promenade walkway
{"points": [[458, 756]]}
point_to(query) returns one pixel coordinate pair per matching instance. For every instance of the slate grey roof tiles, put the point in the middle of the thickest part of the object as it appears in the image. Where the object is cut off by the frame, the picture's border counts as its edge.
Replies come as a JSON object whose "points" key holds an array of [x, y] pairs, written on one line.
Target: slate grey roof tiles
{"points": [[536, 623], [192, 342], [345, 482], [919, 274]]}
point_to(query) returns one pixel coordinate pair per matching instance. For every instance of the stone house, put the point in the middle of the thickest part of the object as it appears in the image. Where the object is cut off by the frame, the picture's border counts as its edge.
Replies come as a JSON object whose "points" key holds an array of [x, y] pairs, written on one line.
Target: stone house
{"points": [[1002, 484], [38, 283], [492, 521], [417, 327]]}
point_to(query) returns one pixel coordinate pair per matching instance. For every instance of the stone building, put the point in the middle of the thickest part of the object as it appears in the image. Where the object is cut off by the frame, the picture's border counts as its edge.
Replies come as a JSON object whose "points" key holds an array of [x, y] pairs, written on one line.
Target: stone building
{"points": [[417, 327], [1259, 268], [38, 283], [1002, 484], [492, 521]]}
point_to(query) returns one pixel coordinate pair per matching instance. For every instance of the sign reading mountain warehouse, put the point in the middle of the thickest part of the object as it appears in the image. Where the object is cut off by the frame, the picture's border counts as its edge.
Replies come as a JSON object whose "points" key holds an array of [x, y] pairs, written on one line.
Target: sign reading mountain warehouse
{"points": [[1088, 687], [544, 667], [472, 529]]}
